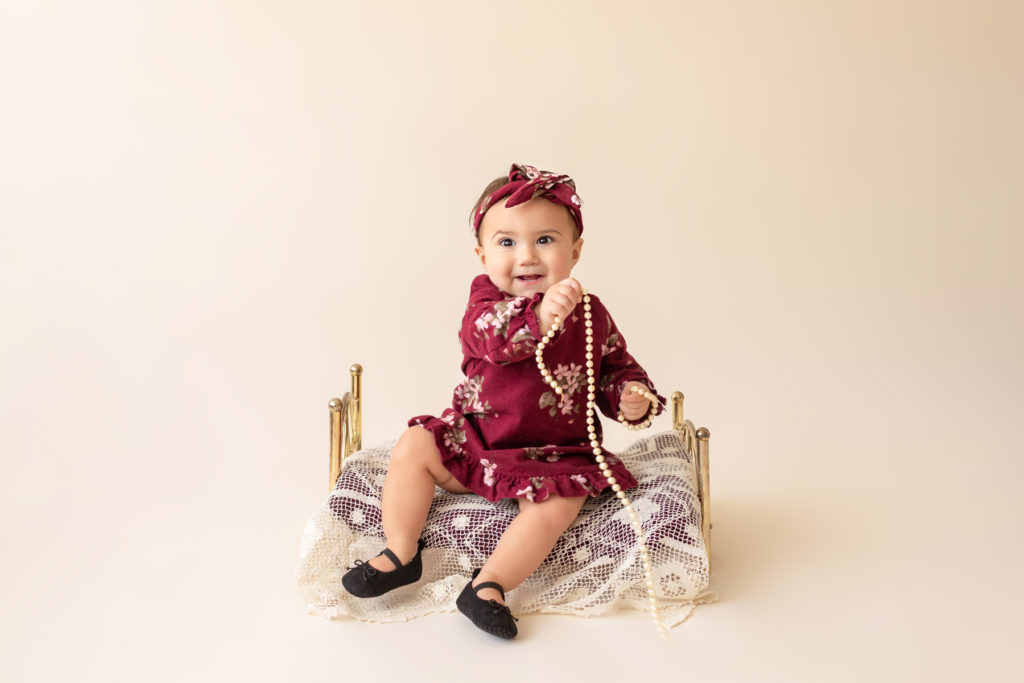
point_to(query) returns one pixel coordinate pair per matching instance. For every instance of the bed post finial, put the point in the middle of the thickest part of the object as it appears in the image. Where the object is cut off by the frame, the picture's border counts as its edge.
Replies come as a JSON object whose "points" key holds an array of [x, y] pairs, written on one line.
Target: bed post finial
{"points": [[677, 410], [334, 406], [356, 424]]}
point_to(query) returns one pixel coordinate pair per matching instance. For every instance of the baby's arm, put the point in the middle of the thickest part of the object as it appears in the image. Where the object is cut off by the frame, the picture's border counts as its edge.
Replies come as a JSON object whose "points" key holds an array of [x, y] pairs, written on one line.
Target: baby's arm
{"points": [[619, 371], [497, 329], [502, 331]]}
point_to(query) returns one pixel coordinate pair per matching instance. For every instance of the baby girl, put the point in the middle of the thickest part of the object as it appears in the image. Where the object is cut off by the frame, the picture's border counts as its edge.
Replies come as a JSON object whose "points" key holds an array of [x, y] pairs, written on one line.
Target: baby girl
{"points": [[518, 427]]}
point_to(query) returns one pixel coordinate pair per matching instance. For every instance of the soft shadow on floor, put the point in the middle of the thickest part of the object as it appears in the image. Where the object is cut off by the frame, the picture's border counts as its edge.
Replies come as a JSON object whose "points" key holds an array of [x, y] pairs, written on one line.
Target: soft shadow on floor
{"points": [[757, 543]]}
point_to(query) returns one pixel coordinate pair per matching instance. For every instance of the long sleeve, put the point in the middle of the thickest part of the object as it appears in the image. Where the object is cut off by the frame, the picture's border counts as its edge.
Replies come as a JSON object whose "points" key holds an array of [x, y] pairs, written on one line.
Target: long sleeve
{"points": [[497, 328], [617, 368]]}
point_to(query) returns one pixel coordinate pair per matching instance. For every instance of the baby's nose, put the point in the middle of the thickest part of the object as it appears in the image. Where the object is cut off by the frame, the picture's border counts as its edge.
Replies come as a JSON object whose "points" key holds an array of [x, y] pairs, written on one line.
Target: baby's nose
{"points": [[527, 254]]}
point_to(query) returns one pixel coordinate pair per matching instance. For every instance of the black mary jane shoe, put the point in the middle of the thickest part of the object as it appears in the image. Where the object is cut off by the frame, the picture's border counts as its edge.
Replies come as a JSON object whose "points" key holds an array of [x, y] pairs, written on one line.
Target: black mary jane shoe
{"points": [[364, 581], [488, 615]]}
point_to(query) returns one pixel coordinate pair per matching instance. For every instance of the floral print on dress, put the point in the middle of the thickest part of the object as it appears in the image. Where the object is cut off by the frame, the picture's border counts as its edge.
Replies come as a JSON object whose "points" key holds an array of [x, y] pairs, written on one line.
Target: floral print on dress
{"points": [[528, 493], [610, 344], [501, 315], [534, 453], [531, 491], [571, 378], [522, 341], [583, 481], [467, 395], [489, 468], [455, 434]]}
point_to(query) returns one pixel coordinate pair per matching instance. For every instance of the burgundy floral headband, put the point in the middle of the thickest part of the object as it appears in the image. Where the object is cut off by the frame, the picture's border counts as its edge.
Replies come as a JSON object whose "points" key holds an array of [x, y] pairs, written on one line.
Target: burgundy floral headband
{"points": [[525, 183]]}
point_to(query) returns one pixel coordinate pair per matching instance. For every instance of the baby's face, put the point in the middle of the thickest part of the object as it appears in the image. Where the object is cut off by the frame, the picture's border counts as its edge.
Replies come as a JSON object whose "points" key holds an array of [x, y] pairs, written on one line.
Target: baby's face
{"points": [[529, 247]]}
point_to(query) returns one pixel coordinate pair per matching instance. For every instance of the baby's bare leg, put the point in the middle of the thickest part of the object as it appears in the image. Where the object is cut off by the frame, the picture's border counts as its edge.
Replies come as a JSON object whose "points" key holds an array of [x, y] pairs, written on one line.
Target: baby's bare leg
{"points": [[408, 491], [526, 542]]}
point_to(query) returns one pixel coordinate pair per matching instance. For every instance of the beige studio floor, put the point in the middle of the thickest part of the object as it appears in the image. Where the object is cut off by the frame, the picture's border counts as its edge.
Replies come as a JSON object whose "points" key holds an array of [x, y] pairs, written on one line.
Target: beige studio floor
{"points": [[805, 217]]}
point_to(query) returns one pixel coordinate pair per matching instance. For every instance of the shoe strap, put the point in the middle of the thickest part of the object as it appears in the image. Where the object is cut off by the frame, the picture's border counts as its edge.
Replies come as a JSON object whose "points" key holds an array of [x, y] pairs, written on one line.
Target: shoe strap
{"points": [[420, 545], [391, 556], [489, 584]]}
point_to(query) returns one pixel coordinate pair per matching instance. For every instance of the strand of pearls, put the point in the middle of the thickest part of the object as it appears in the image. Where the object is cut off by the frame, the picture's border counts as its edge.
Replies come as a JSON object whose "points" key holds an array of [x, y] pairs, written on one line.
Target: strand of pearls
{"points": [[650, 411], [596, 445]]}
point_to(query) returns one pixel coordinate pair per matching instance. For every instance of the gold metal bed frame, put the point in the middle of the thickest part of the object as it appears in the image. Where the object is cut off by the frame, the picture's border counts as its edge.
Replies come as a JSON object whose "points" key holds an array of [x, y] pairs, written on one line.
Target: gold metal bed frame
{"points": [[347, 438]]}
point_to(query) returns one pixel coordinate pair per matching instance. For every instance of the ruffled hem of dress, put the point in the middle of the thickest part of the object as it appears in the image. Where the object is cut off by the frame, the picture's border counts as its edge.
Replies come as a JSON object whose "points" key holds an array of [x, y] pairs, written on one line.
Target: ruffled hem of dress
{"points": [[469, 471]]}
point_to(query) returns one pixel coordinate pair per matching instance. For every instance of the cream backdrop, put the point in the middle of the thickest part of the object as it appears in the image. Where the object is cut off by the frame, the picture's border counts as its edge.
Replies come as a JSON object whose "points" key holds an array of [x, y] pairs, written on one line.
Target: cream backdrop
{"points": [[806, 216]]}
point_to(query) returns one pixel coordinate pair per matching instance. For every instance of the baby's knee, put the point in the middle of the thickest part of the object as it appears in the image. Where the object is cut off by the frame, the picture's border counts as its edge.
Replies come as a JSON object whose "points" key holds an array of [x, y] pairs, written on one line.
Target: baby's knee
{"points": [[416, 445], [557, 512]]}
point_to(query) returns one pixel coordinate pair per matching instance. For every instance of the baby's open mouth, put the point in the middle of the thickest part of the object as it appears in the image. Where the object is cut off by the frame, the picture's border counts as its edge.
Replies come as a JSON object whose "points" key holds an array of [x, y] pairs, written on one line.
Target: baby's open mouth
{"points": [[528, 278]]}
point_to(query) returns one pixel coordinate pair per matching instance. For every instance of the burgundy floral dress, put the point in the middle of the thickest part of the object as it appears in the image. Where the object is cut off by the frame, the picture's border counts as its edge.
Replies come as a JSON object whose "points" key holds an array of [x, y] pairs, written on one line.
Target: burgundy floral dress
{"points": [[508, 434]]}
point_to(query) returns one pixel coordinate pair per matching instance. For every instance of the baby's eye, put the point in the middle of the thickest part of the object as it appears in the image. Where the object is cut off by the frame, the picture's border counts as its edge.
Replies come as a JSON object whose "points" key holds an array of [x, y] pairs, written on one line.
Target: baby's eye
{"points": [[506, 242], [546, 239]]}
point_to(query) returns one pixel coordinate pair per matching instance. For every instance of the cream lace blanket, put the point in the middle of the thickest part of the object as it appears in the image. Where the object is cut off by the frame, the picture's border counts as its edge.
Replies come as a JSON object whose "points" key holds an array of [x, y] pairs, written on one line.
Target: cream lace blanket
{"points": [[593, 569]]}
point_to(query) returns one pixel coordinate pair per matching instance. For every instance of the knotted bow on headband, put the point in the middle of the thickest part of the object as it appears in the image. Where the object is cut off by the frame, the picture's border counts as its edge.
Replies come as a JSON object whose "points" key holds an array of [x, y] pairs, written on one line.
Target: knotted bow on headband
{"points": [[525, 183]]}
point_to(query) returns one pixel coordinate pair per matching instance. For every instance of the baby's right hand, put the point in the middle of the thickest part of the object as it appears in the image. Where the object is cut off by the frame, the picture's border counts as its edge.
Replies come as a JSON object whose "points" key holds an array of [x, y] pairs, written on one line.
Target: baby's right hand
{"points": [[559, 300]]}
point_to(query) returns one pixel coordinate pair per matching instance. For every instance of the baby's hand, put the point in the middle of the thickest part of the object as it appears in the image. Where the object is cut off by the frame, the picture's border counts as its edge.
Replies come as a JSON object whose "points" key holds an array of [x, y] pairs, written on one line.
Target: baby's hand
{"points": [[559, 300], [634, 405]]}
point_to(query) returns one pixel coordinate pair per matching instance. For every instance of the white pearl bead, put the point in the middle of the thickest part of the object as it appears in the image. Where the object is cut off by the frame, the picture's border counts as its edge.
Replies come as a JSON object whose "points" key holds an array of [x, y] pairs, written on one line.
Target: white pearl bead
{"points": [[599, 458], [603, 466], [615, 487], [620, 494], [611, 480]]}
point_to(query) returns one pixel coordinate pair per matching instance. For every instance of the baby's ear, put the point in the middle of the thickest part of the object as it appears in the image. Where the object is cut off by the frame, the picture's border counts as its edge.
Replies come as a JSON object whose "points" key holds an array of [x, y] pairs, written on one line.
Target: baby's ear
{"points": [[576, 249], [479, 251]]}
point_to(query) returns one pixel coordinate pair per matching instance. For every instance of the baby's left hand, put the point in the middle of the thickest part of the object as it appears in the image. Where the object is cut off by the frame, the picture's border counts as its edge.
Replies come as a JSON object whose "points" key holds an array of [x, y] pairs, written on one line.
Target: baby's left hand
{"points": [[634, 405]]}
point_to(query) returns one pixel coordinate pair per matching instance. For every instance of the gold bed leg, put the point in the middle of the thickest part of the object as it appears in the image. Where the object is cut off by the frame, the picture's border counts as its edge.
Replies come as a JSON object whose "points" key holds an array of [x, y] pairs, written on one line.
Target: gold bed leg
{"points": [[355, 431], [346, 423], [335, 405], [704, 474], [697, 441]]}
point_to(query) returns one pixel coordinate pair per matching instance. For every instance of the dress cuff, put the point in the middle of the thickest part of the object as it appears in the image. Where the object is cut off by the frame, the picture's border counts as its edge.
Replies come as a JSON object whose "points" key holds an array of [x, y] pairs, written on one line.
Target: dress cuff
{"points": [[530, 316]]}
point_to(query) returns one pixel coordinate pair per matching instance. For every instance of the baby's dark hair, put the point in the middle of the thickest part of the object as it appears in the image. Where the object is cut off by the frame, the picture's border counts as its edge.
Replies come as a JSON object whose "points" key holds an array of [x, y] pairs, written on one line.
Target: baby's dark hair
{"points": [[493, 186]]}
